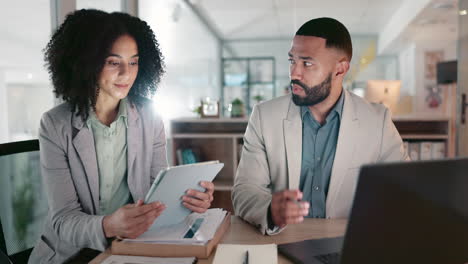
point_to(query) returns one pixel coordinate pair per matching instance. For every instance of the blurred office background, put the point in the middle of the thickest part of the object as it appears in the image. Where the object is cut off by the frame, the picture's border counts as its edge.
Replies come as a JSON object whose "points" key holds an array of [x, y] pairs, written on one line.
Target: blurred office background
{"points": [[392, 41], [231, 53]]}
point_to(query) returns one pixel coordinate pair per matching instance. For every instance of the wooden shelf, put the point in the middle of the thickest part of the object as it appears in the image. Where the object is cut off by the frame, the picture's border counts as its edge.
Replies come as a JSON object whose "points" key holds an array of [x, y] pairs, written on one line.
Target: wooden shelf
{"points": [[424, 137], [221, 139], [209, 120], [418, 118], [200, 135]]}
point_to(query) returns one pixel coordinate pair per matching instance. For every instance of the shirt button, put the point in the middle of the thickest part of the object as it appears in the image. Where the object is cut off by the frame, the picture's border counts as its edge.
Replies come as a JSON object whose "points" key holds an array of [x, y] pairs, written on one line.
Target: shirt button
{"points": [[316, 188], [318, 158], [107, 185]]}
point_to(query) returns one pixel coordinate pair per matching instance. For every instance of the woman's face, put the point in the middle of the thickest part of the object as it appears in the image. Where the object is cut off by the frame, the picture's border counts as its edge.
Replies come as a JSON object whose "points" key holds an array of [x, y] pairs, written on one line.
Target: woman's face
{"points": [[120, 69]]}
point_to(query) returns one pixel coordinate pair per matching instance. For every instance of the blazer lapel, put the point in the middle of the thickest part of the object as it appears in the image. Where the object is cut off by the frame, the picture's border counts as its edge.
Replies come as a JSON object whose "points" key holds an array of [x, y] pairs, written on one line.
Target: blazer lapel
{"points": [[345, 149], [133, 145], [292, 129], [84, 145]]}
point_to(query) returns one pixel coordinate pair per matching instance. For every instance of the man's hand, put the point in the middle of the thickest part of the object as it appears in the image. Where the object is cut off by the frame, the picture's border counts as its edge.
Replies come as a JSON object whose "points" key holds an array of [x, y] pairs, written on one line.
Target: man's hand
{"points": [[132, 220], [199, 201], [286, 208]]}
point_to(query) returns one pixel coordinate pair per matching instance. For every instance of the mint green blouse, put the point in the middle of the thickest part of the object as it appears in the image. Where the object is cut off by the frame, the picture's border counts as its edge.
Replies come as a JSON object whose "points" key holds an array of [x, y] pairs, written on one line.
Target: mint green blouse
{"points": [[111, 155]]}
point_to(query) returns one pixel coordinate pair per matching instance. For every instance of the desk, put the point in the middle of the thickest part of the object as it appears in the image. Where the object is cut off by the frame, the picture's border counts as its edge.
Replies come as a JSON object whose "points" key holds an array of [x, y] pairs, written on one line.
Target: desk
{"points": [[241, 232]]}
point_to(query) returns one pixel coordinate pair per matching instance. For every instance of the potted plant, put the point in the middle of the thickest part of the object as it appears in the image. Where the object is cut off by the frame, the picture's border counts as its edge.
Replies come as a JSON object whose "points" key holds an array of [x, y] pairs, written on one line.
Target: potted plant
{"points": [[237, 108], [258, 98]]}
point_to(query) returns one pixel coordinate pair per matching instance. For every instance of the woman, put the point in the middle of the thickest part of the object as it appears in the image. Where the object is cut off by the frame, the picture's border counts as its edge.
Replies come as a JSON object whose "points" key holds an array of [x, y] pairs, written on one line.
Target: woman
{"points": [[103, 147]]}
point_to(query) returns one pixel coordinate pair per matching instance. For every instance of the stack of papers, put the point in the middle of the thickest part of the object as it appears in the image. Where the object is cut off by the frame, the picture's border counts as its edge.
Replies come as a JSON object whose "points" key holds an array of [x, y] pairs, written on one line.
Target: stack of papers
{"points": [[118, 259], [196, 229], [235, 254]]}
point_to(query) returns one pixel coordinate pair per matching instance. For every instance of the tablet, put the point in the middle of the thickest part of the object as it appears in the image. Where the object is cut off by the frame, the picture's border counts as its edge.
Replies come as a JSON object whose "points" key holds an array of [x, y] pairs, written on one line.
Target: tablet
{"points": [[171, 184]]}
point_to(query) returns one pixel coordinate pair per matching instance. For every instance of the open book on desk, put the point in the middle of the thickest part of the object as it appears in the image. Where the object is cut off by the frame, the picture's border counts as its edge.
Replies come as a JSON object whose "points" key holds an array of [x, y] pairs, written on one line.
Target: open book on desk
{"points": [[172, 183], [195, 229], [191, 238]]}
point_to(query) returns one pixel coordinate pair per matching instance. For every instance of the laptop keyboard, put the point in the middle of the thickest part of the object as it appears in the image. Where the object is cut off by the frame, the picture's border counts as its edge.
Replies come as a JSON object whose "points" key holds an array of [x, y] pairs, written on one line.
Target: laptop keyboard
{"points": [[331, 258]]}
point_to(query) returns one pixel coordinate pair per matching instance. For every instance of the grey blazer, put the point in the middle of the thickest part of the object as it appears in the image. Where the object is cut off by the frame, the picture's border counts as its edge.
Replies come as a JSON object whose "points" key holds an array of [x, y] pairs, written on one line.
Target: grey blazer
{"points": [[272, 154], [70, 176]]}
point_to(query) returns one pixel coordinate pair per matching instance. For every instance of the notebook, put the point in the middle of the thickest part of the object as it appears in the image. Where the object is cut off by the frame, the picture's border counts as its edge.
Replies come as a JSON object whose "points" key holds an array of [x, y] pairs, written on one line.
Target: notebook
{"points": [[172, 183], [121, 259], [236, 254]]}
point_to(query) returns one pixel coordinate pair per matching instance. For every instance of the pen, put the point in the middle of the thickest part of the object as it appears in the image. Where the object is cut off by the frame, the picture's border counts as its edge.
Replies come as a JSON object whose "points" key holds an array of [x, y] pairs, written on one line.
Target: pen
{"points": [[246, 257]]}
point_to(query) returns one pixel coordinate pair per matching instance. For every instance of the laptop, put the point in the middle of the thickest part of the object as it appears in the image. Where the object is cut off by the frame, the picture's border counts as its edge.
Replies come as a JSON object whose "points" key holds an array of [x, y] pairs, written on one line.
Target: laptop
{"points": [[411, 212]]}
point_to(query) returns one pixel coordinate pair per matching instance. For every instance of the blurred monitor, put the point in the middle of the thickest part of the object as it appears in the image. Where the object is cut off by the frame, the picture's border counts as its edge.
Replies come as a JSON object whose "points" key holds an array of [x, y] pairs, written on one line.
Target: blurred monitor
{"points": [[384, 92], [447, 72]]}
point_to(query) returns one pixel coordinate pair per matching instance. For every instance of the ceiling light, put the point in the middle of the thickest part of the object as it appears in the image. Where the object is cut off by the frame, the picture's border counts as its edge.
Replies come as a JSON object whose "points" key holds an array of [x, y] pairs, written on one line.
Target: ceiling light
{"points": [[30, 76], [463, 12]]}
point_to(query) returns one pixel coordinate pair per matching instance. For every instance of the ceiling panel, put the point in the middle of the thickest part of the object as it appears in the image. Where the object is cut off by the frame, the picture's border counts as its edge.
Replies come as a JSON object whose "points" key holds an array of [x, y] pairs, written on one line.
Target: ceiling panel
{"points": [[247, 19]]}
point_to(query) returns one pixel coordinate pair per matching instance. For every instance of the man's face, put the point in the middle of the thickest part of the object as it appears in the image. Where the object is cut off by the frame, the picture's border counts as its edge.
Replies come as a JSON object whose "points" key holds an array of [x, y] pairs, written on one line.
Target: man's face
{"points": [[311, 70]]}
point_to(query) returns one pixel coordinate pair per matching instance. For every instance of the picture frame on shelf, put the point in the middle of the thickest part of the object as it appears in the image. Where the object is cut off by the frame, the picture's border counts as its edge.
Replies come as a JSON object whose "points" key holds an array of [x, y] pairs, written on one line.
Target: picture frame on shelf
{"points": [[209, 108]]}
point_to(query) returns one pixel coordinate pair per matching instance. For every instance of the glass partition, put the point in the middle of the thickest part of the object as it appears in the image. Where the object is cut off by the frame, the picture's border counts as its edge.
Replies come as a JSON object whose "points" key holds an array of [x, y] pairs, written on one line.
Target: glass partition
{"points": [[23, 202]]}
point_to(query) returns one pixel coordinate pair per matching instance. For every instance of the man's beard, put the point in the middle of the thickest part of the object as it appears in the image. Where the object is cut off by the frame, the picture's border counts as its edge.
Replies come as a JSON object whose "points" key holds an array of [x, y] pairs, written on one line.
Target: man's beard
{"points": [[314, 95]]}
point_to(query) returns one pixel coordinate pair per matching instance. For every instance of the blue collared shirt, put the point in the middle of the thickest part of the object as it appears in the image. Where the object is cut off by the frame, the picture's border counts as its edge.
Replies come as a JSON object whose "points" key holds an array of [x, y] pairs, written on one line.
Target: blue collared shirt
{"points": [[318, 153]]}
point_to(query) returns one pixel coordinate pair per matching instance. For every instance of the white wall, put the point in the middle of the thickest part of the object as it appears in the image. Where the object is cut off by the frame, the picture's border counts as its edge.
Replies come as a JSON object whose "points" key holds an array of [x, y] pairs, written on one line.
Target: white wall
{"points": [[4, 134], [23, 106], [192, 56], [104, 5], [412, 71], [450, 53], [406, 60], [381, 68], [25, 33]]}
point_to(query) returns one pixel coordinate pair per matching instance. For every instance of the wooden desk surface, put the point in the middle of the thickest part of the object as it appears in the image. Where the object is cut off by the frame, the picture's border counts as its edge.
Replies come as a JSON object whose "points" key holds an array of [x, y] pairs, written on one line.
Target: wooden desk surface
{"points": [[241, 232]]}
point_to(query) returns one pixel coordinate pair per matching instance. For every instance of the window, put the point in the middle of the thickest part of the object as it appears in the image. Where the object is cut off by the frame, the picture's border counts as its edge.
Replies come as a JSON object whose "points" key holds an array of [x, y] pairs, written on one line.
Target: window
{"points": [[25, 89]]}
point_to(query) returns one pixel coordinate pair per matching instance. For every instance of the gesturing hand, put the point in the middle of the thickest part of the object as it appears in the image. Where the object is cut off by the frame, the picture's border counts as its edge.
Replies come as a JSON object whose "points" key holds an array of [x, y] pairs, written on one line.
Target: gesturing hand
{"points": [[199, 201], [132, 220], [285, 208]]}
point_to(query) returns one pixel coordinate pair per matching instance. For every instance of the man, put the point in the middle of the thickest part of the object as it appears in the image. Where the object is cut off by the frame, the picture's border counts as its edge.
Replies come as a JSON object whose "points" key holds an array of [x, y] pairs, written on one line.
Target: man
{"points": [[302, 152]]}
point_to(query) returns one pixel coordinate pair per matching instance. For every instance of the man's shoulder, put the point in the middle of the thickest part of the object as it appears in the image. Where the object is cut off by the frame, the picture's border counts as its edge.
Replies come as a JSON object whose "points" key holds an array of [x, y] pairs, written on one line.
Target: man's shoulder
{"points": [[278, 104], [366, 109]]}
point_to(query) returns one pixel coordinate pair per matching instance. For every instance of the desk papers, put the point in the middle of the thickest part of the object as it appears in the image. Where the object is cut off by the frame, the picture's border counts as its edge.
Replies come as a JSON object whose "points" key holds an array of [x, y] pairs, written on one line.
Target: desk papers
{"points": [[120, 259], [234, 254], [195, 229]]}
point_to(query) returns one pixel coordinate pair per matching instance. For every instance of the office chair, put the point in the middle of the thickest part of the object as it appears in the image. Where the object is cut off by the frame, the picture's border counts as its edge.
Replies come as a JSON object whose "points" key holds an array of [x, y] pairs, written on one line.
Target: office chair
{"points": [[3, 251], [19, 161]]}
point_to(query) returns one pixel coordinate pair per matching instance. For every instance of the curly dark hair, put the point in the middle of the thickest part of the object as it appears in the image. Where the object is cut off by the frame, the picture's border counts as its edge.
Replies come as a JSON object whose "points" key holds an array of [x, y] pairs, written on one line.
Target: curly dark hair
{"points": [[75, 56]]}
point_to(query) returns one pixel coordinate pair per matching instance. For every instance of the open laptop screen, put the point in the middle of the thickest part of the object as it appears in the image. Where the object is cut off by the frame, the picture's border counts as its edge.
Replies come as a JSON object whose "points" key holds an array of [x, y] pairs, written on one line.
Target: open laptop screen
{"points": [[415, 212]]}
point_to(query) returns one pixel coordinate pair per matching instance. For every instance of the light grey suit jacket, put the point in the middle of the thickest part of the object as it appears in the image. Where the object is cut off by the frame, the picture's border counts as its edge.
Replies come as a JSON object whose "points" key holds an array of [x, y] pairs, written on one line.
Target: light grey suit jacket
{"points": [[70, 175], [272, 154]]}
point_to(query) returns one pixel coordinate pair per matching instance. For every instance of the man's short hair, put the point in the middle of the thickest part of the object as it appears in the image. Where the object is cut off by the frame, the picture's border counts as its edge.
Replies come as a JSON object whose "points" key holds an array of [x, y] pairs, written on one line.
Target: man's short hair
{"points": [[332, 30]]}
